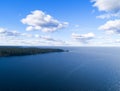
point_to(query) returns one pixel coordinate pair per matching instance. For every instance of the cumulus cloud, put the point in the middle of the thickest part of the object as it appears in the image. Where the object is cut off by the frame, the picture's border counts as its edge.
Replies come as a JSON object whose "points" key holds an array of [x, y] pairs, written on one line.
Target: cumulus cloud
{"points": [[38, 20], [111, 26], [111, 8], [84, 38], [107, 5]]}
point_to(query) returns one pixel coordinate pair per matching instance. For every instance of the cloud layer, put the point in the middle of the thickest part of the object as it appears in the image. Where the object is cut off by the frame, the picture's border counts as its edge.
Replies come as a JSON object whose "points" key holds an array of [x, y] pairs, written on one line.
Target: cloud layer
{"points": [[5, 32], [109, 15], [84, 38], [38, 20], [8, 37]]}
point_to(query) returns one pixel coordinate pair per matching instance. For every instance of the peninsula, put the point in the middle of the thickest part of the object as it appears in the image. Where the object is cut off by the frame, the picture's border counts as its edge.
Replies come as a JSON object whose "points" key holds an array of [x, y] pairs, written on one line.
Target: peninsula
{"points": [[22, 51]]}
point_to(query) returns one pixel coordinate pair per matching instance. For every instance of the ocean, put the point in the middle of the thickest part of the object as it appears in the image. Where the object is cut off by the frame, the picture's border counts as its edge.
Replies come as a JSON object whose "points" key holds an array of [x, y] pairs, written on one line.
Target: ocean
{"points": [[80, 69]]}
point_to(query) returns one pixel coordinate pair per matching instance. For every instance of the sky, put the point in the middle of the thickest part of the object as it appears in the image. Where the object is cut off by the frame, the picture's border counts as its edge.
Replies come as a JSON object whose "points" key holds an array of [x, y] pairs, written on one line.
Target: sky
{"points": [[60, 22]]}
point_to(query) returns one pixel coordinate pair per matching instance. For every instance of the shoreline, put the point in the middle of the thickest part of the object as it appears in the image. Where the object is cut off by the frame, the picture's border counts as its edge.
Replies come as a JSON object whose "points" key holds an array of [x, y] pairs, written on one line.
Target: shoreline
{"points": [[19, 51]]}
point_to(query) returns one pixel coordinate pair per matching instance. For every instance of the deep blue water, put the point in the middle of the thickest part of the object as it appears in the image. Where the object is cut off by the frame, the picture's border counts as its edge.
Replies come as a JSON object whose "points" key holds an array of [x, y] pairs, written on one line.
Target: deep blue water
{"points": [[81, 69]]}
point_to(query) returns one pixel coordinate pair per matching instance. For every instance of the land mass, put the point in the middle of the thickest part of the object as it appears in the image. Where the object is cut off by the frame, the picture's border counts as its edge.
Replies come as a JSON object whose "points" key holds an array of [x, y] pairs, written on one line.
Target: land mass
{"points": [[22, 51]]}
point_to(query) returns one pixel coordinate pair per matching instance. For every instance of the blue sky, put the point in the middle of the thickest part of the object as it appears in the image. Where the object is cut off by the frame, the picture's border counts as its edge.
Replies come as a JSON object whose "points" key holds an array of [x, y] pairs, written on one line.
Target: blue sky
{"points": [[60, 22]]}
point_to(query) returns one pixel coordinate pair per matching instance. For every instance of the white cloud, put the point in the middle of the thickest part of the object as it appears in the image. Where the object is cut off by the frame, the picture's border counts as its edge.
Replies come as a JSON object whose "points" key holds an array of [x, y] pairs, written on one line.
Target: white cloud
{"points": [[110, 7], [45, 37], [111, 26], [109, 15], [9, 33], [2, 30], [117, 40], [38, 20], [8, 37], [107, 5], [51, 40], [84, 38]]}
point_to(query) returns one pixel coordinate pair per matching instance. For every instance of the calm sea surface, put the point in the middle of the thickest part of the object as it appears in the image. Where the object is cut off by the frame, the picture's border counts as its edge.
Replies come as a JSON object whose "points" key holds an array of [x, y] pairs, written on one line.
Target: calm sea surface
{"points": [[81, 69]]}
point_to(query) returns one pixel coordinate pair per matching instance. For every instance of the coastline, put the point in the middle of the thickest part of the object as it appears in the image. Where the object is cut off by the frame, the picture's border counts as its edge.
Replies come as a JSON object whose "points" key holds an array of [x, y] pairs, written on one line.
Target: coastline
{"points": [[20, 51]]}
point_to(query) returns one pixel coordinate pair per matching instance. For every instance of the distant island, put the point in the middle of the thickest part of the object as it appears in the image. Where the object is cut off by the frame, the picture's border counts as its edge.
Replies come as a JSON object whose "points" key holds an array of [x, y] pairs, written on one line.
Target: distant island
{"points": [[22, 51]]}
